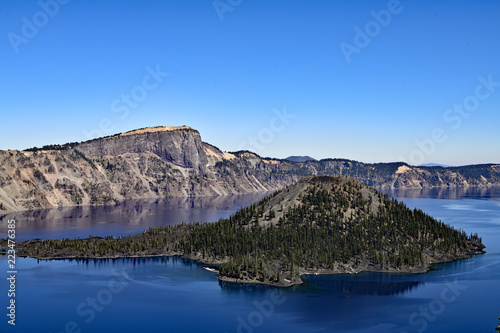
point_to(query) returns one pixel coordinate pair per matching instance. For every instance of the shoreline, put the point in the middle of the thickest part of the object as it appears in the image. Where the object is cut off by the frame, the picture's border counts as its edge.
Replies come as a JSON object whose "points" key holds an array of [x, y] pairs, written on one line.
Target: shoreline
{"points": [[285, 283], [153, 198]]}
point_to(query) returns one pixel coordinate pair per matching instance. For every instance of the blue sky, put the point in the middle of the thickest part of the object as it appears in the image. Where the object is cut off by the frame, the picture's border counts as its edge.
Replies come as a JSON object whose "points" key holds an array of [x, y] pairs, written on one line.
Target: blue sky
{"points": [[269, 76]]}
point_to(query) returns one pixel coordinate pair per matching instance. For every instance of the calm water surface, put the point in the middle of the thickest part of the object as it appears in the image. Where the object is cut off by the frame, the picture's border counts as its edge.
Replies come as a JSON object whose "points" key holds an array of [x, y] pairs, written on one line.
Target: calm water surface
{"points": [[175, 295], [128, 217]]}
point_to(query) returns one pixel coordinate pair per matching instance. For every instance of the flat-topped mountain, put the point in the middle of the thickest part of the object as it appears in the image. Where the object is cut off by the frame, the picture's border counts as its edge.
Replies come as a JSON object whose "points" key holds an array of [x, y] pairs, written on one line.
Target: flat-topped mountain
{"points": [[164, 161], [320, 224], [180, 146]]}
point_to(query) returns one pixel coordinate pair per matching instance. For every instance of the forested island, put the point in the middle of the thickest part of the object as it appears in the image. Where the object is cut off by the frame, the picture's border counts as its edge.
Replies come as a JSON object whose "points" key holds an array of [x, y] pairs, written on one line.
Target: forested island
{"points": [[318, 225]]}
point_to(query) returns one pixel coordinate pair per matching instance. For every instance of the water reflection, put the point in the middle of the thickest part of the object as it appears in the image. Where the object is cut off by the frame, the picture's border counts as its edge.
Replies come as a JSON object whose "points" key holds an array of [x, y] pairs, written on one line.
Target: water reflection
{"points": [[344, 286], [244, 287], [362, 284], [471, 192], [125, 218], [136, 262]]}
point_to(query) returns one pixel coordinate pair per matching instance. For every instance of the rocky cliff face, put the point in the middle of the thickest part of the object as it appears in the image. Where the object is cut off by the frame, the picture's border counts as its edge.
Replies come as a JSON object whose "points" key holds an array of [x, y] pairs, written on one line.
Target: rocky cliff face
{"points": [[174, 162], [181, 146]]}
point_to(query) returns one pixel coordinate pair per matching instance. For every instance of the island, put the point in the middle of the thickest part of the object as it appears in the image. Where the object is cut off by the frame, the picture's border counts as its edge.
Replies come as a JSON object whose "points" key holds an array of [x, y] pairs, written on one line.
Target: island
{"points": [[318, 225]]}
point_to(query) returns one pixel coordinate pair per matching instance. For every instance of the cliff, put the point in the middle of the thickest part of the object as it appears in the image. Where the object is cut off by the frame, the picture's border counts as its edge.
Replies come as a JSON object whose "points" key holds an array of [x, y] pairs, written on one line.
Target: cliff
{"points": [[181, 146], [165, 161]]}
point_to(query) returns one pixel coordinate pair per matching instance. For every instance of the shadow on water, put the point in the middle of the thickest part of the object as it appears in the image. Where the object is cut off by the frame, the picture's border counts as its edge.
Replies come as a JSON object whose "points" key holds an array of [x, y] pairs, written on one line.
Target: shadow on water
{"points": [[375, 284], [233, 287]]}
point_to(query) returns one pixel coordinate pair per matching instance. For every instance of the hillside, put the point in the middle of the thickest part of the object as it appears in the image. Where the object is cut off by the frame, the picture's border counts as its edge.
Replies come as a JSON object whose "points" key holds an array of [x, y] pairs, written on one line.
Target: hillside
{"points": [[317, 225], [166, 161]]}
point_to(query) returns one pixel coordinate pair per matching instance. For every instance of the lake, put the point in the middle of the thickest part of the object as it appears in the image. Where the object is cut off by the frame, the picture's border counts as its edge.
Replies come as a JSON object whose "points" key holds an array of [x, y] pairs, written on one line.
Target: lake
{"points": [[175, 295]]}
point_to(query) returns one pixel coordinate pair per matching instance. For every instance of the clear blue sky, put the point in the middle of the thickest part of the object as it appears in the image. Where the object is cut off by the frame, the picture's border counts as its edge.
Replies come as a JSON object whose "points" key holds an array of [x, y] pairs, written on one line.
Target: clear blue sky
{"points": [[232, 69]]}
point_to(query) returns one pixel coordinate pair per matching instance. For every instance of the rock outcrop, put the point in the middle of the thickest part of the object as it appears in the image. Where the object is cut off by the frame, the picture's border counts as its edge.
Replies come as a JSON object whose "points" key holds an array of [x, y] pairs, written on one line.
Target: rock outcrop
{"points": [[162, 162], [181, 146]]}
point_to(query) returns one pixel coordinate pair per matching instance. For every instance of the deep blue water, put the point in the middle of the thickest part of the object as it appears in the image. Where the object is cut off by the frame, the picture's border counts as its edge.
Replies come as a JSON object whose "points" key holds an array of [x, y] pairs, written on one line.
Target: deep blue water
{"points": [[175, 295]]}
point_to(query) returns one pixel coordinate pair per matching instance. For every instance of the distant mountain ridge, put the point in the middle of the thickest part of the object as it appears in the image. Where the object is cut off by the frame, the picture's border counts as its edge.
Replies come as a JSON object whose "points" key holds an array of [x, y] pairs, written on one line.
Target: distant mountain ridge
{"points": [[436, 165], [300, 159], [164, 161]]}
